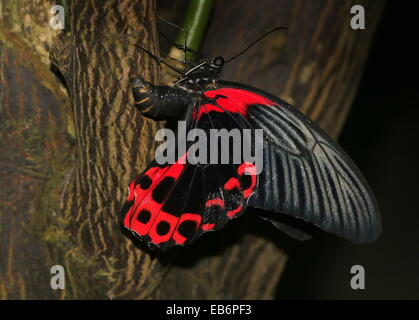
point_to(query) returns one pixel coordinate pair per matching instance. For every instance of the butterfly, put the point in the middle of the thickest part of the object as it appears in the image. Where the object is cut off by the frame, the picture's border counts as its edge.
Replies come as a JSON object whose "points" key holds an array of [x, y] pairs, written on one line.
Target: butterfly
{"points": [[303, 172]]}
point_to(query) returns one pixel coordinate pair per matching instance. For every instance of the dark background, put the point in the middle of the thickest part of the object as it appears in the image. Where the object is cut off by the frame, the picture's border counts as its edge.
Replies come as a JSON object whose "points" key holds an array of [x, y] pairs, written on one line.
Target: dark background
{"points": [[381, 134]]}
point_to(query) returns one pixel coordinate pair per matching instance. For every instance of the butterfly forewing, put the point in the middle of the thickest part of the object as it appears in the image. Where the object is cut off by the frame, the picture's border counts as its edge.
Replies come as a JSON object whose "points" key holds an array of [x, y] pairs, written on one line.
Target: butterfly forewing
{"points": [[306, 174]]}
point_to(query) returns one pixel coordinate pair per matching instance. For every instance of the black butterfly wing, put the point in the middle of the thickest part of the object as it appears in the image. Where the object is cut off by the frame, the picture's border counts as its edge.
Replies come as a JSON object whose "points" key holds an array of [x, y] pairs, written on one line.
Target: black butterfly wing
{"points": [[305, 173]]}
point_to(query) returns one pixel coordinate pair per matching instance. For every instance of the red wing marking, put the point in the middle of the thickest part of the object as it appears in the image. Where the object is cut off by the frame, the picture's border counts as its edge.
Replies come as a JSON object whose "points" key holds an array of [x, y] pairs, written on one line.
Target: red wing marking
{"points": [[145, 216], [183, 226], [248, 169], [163, 227], [215, 202], [232, 213], [208, 226], [232, 183], [233, 100], [149, 192]]}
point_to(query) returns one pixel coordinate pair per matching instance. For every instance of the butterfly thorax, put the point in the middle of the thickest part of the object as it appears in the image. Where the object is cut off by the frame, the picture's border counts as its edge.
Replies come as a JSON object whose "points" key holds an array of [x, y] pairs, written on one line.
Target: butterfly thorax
{"points": [[201, 76]]}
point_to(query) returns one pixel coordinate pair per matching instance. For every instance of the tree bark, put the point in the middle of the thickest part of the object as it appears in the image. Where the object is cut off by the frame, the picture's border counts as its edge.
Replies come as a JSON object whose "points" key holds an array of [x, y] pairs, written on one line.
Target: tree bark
{"points": [[68, 152]]}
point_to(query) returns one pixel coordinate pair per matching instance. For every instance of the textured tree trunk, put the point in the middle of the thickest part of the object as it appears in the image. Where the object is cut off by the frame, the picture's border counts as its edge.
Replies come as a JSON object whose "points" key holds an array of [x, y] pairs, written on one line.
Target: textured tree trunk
{"points": [[68, 152]]}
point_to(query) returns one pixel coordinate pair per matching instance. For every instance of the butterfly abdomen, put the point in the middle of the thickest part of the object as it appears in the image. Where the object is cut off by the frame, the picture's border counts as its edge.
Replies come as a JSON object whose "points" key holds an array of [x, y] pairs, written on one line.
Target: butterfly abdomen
{"points": [[159, 102]]}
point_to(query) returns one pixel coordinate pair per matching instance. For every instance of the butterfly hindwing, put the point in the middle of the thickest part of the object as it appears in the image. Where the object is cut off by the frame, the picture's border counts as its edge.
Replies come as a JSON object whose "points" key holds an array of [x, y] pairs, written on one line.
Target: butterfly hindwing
{"points": [[174, 204]]}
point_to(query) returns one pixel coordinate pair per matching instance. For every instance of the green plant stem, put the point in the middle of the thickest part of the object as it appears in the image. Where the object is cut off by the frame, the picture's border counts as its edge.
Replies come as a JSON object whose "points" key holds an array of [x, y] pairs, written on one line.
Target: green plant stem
{"points": [[195, 23]]}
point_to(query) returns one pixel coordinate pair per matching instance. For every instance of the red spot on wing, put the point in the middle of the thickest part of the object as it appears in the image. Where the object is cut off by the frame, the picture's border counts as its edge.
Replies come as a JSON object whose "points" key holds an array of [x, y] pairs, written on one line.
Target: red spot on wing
{"points": [[131, 194], [208, 226], [179, 239], [233, 212], [233, 100], [215, 202], [249, 169], [232, 183], [167, 220]]}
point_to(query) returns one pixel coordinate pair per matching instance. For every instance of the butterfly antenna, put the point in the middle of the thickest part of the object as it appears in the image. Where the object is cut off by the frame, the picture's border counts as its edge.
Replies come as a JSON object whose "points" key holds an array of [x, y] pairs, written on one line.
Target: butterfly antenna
{"points": [[254, 42], [158, 60], [183, 47], [174, 44]]}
